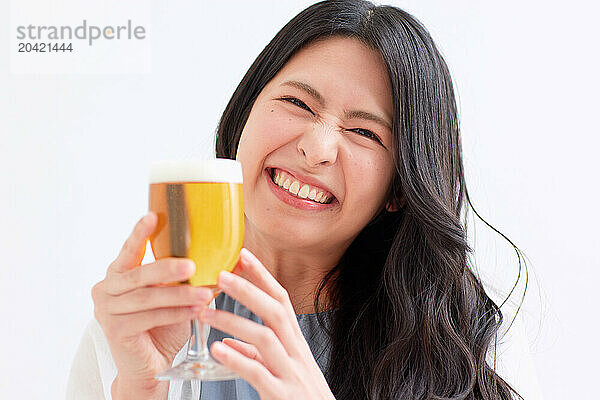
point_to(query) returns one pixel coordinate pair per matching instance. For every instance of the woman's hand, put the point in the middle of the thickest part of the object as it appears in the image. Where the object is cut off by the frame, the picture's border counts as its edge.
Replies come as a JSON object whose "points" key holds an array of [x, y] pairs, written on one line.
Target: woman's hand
{"points": [[274, 358], [146, 323]]}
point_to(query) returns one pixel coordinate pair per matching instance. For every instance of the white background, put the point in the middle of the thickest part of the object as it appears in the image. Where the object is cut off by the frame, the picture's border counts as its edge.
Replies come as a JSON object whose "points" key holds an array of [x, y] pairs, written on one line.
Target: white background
{"points": [[75, 149]]}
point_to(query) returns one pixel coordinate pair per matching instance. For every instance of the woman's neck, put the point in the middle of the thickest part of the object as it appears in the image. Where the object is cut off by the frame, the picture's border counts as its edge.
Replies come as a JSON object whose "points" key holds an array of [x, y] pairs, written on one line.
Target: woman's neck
{"points": [[298, 270]]}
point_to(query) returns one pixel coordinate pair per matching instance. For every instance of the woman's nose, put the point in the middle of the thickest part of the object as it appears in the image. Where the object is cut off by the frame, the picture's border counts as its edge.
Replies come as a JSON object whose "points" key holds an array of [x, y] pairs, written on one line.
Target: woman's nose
{"points": [[319, 146]]}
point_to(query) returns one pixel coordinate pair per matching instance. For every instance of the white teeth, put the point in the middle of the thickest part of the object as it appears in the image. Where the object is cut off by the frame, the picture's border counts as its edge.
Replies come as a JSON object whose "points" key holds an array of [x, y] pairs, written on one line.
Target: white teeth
{"points": [[294, 187], [303, 192]]}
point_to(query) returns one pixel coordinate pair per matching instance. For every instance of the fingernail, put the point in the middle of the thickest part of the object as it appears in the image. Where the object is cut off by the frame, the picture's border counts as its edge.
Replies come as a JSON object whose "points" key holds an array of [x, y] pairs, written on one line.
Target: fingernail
{"points": [[218, 347], [187, 267], [203, 295], [225, 277]]}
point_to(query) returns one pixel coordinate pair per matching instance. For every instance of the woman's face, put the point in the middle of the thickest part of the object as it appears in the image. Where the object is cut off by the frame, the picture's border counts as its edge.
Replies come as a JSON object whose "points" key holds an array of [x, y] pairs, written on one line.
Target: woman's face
{"points": [[317, 147]]}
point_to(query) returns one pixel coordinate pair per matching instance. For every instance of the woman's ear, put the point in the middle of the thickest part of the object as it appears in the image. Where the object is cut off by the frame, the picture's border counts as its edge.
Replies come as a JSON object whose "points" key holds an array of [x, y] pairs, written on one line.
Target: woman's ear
{"points": [[389, 207], [394, 205]]}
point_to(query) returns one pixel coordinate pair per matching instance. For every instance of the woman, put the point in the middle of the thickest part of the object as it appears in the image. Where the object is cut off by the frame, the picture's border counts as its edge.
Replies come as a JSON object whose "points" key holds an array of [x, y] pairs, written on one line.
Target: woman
{"points": [[360, 279]]}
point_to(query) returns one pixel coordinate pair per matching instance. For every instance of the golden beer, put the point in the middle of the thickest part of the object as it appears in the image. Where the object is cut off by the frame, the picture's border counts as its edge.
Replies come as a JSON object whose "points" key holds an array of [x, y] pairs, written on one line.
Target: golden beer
{"points": [[200, 214]]}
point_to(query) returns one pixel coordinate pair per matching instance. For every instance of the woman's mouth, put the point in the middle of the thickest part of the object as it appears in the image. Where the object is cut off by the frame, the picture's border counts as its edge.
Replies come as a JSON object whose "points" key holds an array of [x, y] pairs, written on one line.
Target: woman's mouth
{"points": [[297, 193], [299, 188]]}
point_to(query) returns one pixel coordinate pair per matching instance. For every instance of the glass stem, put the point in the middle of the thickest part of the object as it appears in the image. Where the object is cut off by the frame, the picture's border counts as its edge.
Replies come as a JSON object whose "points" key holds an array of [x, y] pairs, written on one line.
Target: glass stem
{"points": [[196, 353]]}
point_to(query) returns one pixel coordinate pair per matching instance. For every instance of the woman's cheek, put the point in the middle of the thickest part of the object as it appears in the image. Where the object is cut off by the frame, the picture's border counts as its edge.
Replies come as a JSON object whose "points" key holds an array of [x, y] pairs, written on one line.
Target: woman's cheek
{"points": [[280, 125], [261, 136], [371, 178]]}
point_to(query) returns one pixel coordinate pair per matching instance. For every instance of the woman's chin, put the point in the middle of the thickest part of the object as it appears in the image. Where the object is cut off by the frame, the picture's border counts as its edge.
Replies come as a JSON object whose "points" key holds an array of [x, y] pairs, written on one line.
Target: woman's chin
{"points": [[290, 236]]}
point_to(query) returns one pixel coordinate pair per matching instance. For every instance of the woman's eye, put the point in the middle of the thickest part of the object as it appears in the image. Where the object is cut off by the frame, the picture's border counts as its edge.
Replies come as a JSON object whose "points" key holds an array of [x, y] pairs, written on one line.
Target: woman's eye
{"points": [[367, 133], [298, 103]]}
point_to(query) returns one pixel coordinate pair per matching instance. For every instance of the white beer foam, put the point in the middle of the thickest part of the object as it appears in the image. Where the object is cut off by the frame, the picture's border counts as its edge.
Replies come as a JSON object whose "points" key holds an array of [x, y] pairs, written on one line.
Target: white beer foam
{"points": [[208, 170]]}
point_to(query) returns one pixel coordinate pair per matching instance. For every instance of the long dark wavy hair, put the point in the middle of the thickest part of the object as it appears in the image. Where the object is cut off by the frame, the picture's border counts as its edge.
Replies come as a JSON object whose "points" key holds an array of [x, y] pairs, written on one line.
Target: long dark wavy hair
{"points": [[413, 321]]}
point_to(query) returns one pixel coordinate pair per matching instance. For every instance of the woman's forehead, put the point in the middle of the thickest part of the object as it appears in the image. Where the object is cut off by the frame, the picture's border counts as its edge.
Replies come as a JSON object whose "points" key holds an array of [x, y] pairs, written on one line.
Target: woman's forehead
{"points": [[339, 68]]}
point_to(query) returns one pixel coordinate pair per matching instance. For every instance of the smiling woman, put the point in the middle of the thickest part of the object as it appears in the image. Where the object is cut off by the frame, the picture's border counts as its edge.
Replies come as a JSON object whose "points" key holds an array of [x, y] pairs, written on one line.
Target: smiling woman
{"points": [[311, 127], [354, 282]]}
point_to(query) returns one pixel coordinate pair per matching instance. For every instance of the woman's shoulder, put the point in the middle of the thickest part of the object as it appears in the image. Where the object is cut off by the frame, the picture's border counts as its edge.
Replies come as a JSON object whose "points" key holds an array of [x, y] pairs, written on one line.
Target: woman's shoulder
{"points": [[93, 369]]}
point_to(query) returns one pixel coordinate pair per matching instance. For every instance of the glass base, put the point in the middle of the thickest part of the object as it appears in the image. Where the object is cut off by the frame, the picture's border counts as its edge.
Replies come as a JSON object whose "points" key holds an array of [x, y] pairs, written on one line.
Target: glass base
{"points": [[202, 370]]}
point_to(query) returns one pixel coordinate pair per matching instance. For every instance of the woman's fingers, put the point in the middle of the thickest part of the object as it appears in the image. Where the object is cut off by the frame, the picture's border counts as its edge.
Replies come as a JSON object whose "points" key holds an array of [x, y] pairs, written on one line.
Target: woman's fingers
{"points": [[133, 250], [248, 369], [149, 298], [159, 272], [263, 338], [119, 327], [246, 349], [274, 314], [256, 273]]}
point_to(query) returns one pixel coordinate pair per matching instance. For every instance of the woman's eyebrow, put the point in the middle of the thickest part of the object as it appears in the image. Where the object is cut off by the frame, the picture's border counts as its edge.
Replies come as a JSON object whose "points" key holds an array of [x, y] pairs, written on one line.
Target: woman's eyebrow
{"points": [[308, 89], [367, 116], [354, 114]]}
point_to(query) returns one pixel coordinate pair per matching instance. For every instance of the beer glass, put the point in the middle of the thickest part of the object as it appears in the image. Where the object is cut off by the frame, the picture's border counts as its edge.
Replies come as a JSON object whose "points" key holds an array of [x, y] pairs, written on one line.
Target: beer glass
{"points": [[200, 216]]}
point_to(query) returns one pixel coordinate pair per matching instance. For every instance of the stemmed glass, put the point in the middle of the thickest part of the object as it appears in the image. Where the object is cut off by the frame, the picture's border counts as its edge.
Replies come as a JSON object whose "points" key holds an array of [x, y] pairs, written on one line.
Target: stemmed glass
{"points": [[200, 216]]}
